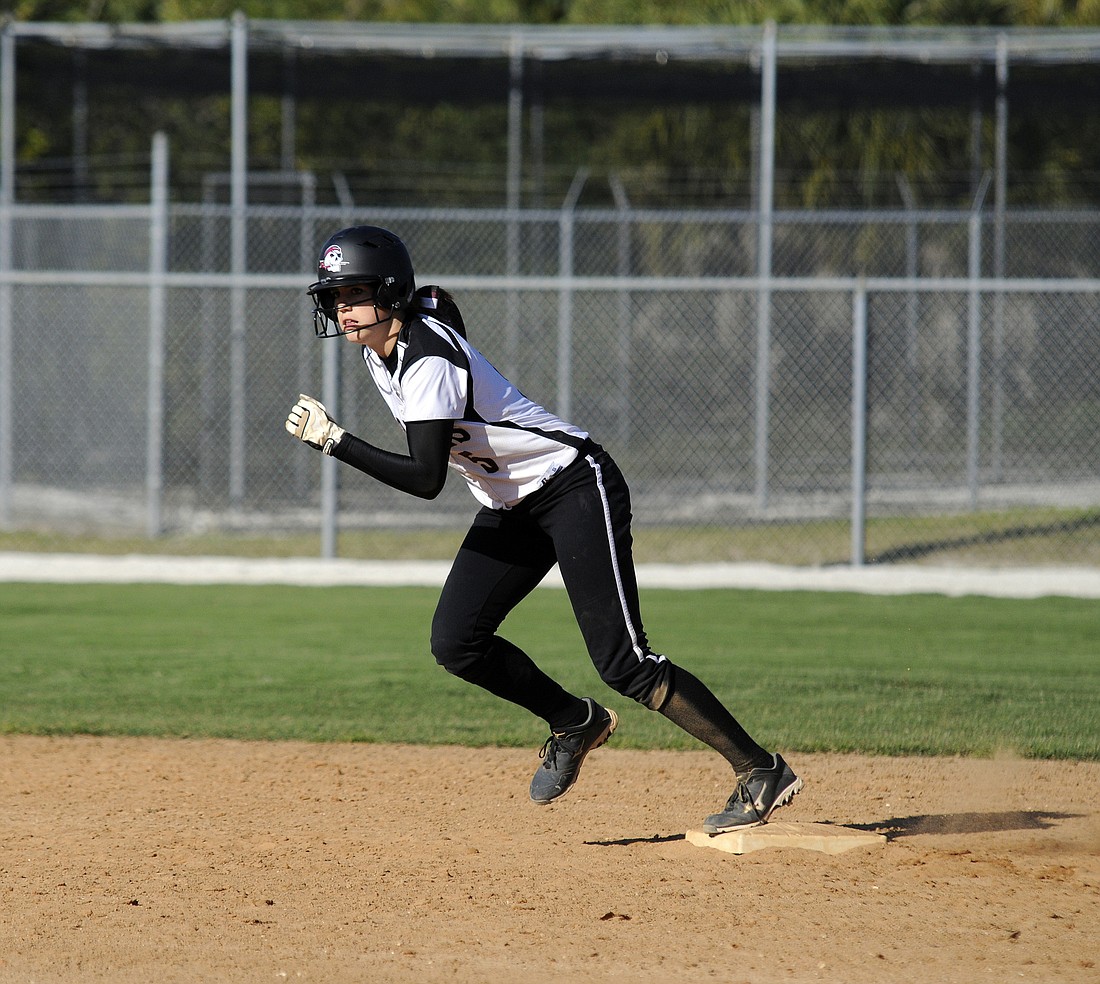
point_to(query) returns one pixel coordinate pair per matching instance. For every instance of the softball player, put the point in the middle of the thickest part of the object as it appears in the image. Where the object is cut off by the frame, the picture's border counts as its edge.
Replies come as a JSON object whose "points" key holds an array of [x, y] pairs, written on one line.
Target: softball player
{"points": [[548, 493]]}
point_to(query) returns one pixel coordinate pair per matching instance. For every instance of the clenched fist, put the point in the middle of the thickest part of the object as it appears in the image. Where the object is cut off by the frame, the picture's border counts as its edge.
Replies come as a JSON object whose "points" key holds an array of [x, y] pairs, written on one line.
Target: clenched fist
{"points": [[309, 422]]}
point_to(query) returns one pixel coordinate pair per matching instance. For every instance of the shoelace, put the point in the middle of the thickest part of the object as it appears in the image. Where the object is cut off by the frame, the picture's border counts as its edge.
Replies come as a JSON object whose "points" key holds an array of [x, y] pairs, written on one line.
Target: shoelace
{"points": [[551, 747], [741, 800], [740, 795]]}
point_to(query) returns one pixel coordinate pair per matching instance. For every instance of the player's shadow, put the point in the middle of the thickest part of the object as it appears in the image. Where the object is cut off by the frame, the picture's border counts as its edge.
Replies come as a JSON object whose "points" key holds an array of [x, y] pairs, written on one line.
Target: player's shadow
{"points": [[630, 841], [963, 823]]}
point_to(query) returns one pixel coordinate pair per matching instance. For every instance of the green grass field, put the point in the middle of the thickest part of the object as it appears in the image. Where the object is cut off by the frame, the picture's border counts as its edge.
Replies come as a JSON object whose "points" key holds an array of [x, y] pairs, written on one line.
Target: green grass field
{"points": [[803, 671]]}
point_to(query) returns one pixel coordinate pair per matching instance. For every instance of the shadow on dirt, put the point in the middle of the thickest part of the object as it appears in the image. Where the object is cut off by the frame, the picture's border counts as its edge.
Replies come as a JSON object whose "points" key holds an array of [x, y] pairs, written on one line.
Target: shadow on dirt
{"points": [[629, 841], [964, 823]]}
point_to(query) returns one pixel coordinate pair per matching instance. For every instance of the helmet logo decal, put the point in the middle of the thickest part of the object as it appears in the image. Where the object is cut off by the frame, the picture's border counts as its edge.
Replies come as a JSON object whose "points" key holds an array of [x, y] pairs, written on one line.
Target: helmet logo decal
{"points": [[333, 261]]}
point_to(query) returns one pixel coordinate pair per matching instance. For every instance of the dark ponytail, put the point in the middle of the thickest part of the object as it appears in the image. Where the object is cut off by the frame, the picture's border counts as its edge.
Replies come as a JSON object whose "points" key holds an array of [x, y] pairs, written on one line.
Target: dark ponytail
{"points": [[439, 304]]}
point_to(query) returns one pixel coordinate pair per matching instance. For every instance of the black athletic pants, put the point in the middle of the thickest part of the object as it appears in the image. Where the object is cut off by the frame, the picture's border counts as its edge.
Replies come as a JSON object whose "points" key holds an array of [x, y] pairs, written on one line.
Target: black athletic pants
{"points": [[580, 520]]}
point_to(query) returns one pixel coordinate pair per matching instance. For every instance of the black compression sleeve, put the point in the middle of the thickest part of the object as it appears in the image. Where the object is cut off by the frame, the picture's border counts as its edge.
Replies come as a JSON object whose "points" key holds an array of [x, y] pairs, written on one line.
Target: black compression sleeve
{"points": [[422, 472]]}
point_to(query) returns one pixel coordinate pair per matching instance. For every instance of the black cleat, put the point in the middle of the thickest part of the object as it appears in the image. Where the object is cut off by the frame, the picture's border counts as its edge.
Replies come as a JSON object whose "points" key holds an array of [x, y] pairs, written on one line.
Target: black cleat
{"points": [[754, 799], [564, 751]]}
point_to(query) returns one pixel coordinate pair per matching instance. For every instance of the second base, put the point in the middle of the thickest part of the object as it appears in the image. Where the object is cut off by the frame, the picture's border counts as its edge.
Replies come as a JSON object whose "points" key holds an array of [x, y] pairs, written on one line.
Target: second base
{"points": [[825, 837]]}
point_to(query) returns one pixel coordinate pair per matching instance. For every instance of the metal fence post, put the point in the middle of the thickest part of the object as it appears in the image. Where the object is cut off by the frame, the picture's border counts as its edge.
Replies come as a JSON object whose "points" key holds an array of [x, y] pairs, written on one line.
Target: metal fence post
{"points": [[974, 346], [622, 204], [330, 397], [238, 259], [859, 425], [307, 259], [999, 195], [512, 198], [766, 198], [158, 267], [912, 316], [7, 198], [565, 295]]}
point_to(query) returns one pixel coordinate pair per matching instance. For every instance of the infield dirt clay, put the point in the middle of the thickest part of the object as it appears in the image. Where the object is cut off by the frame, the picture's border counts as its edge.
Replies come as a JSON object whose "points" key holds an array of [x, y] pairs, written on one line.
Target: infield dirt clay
{"points": [[151, 860]]}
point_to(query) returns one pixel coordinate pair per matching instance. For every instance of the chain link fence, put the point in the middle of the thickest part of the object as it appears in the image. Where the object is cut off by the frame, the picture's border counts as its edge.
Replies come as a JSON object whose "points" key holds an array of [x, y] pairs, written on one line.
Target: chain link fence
{"points": [[880, 396]]}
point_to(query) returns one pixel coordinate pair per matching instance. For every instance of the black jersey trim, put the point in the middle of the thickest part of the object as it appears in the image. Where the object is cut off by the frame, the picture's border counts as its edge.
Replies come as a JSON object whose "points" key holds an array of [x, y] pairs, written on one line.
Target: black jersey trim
{"points": [[569, 440], [427, 343]]}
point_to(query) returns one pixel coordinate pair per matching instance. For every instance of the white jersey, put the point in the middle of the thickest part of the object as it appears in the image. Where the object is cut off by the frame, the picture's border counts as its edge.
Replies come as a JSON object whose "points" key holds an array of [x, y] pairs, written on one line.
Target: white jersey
{"points": [[504, 445]]}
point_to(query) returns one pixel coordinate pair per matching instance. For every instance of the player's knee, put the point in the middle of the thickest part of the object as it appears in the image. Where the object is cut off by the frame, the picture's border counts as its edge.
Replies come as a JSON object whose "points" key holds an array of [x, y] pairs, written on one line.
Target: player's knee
{"points": [[449, 652], [457, 652], [646, 681]]}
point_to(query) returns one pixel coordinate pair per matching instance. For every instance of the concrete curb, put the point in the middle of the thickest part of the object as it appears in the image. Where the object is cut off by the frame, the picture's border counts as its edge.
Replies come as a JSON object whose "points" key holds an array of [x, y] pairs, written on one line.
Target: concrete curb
{"points": [[59, 568]]}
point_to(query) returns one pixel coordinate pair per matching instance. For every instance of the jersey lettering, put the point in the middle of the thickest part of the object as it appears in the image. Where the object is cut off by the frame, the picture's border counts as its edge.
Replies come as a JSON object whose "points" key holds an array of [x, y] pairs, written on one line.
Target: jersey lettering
{"points": [[458, 436]]}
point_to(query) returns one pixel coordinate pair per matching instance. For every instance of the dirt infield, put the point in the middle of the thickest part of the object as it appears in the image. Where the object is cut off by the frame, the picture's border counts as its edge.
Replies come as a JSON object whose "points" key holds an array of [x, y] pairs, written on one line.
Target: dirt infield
{"points": [[138, 860]]}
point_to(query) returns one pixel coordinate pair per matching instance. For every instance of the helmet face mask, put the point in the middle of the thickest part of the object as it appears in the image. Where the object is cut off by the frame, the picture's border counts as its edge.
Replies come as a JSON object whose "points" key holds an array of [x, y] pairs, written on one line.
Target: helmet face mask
{"points": [[361, 255]]}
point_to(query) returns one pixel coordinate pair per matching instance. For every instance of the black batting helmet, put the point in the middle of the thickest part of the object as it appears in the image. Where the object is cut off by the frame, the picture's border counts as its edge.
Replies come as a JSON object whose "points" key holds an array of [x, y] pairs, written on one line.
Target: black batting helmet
{"points": [[361, 255]]}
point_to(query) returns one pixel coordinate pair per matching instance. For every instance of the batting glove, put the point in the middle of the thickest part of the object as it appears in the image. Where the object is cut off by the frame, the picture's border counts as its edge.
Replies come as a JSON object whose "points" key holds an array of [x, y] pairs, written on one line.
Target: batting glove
{"points": [[309, 422]]}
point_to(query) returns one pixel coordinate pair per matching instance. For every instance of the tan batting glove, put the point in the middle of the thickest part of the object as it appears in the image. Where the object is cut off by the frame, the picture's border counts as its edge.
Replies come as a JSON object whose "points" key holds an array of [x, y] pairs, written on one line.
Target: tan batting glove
{"points": [[309, 422]]}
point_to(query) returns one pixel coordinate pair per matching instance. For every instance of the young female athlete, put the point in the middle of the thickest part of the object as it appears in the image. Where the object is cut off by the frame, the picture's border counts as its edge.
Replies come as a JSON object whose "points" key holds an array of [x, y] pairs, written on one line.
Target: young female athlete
{"points": [[549, 494]]}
